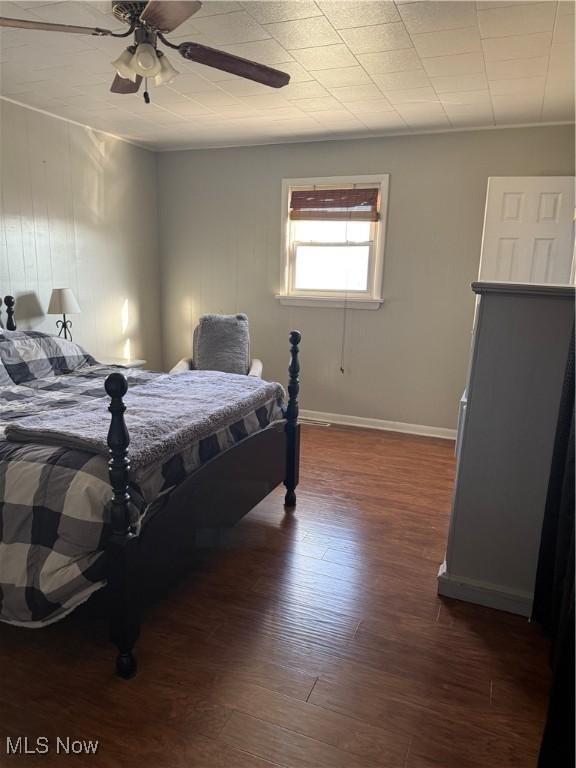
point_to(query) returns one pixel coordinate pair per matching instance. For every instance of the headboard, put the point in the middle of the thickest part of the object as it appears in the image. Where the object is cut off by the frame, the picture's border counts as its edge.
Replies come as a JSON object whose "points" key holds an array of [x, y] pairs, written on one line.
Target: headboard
{"points": [[9, 303]]}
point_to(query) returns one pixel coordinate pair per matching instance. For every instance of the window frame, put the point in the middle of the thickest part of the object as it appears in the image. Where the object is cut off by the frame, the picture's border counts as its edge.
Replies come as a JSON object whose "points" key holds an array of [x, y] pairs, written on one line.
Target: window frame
{"points": [[369, 299]]}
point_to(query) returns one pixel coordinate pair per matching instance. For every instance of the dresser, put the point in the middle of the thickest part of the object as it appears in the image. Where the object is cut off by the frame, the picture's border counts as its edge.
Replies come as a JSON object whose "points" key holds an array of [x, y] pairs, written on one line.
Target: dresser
{"points": [[506, 434]]}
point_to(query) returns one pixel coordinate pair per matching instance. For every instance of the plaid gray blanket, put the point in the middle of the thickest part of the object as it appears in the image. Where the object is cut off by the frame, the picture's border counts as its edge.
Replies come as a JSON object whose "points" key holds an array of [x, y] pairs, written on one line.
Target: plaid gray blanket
{"points": [[54, 501]]}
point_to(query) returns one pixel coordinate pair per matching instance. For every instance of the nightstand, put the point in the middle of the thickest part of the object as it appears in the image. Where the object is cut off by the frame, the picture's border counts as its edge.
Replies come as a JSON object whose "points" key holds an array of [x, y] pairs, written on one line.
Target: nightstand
{"points": [[124, 363]]}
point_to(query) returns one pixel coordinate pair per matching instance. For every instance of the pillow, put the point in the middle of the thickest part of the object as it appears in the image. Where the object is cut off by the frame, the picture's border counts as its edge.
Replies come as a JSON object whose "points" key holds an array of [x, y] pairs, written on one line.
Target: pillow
{"points": [[29, 355], [222, 343]]}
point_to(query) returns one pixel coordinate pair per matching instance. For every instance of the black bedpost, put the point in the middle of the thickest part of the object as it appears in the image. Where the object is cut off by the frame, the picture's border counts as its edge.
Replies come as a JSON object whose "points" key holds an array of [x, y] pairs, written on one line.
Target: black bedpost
{"points": [[122, 549], [9, 301], [292, 426]]}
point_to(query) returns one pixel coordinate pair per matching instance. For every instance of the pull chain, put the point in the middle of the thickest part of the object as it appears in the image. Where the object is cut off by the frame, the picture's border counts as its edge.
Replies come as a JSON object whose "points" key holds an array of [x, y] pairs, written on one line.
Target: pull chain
{"points": [[344, 326]]}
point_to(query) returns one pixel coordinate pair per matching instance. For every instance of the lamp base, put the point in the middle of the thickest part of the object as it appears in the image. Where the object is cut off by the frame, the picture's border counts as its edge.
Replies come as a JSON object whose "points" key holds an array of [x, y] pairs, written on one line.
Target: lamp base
{"points": [[64, 326]]}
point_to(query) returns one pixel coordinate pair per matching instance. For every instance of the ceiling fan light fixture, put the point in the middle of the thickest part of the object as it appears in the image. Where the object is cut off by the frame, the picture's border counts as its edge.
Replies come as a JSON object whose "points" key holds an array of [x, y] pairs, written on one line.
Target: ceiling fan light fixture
{"points": [[123, 64], [146, 61], [167, 72]]}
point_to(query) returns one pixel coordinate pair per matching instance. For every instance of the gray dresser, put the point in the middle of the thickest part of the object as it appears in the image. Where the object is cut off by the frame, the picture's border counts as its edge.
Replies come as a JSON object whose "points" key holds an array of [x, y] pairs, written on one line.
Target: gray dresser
{"points": [[505, 441]]}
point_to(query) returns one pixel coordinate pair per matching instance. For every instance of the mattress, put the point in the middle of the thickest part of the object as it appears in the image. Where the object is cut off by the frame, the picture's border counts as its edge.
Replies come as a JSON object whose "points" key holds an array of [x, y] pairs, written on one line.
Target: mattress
{"points": [[54, 501]]}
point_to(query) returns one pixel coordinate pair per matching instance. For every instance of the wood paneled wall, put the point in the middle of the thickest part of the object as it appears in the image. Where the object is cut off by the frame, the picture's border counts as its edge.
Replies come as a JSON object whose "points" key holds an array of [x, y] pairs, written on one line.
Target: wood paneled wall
{"points": [[79, 210]]}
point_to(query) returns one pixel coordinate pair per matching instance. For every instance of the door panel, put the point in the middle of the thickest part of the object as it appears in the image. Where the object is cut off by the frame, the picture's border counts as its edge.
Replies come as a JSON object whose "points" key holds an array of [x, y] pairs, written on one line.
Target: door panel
{"points": [[528, 230]]}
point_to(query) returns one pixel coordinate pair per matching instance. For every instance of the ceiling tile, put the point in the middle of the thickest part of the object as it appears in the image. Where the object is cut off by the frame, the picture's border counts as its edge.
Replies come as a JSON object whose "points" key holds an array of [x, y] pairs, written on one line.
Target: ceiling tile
{"points": [[382, 37], [397, 81], [266, 101], [230, 28], [452, 83], [561, 65], [308, 90], [332, 92], [359, 13], [558, 105], [424, 116], [390, 61], [517, 104], [413, 96], [265, 52], [448, 42], [502, 70], [356, 93], [296, 71], [188, 82], [566, 8], [235, 111], [216, 99], [334, 117], [517, 46], [304, 33], [188, 108], [284, 113], [285, 10], [460, 64], [333, 78], [325, 57], [317, 105], [478, 99], [469, 116], [435, 16], [370, 106], [385, 122], [517, 19], [518, 85]]}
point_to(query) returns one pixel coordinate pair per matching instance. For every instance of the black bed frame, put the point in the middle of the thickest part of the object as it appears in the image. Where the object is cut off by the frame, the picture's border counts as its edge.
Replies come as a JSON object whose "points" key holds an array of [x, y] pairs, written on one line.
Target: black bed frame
{"points": [[216, 496]]}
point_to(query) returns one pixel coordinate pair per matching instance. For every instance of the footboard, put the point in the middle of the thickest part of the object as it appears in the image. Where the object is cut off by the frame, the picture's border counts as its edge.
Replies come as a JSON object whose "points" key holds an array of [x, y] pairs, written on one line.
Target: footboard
{"points": [[217, 495]]}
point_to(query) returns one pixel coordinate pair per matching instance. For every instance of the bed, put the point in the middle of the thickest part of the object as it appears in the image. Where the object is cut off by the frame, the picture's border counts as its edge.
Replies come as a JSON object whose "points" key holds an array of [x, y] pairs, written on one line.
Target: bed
{"points": [[76, 518]]}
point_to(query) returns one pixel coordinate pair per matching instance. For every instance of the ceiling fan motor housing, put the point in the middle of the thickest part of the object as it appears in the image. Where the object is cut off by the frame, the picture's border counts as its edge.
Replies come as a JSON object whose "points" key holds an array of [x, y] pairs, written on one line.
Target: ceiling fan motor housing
{"points": [[128, 13]]}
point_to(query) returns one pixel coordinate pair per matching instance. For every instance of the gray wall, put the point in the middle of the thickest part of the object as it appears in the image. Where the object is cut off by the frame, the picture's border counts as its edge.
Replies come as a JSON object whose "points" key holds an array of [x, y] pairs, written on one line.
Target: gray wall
{"points": [[220, 225], [79, 210]]}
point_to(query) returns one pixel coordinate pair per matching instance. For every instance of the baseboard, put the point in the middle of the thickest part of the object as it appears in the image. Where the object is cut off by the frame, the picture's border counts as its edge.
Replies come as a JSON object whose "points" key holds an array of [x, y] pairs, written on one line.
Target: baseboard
{"points": [[389, 426], [483, 593]]}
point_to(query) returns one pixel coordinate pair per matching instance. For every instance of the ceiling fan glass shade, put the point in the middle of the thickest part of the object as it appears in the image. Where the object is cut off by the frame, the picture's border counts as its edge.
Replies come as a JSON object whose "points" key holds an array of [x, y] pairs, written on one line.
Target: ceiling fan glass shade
{"points": [[167, 71], [123, 65], [145, 61]]}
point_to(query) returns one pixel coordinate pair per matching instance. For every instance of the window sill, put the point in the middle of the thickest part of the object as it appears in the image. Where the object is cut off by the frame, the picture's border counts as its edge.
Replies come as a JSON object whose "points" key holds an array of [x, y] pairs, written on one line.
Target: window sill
{"points": [[328, 301]]}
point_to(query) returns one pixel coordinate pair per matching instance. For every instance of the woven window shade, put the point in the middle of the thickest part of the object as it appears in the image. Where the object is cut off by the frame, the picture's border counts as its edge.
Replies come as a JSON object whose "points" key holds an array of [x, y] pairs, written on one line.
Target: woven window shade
{"points": [[335, 204]]}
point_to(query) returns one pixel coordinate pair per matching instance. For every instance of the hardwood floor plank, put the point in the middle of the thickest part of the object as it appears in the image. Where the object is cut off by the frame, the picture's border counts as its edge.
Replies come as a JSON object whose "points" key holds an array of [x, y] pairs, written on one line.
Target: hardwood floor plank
{"points": [[285, 747], [382, 746], [309, 640]]}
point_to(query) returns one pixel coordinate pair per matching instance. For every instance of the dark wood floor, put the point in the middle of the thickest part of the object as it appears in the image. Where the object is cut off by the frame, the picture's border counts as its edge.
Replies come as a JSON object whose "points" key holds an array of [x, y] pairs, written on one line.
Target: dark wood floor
{"points": [[314, 640]]}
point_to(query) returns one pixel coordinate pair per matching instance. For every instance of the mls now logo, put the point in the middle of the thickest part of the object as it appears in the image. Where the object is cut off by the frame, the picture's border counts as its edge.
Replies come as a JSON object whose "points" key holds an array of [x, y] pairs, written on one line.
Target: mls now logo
{"points": [[22, 745]]}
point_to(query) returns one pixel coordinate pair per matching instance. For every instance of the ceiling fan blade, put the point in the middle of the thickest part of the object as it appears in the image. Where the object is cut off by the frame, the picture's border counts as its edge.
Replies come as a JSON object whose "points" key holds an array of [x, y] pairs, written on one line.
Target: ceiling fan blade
{"points": [[167, 16], [211, 57], [46, 27], [124, 85]]}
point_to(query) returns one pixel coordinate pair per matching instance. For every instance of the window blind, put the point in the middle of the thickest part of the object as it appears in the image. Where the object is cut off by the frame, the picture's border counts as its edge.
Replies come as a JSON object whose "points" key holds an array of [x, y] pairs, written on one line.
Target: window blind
{"points": [[335, 204]]}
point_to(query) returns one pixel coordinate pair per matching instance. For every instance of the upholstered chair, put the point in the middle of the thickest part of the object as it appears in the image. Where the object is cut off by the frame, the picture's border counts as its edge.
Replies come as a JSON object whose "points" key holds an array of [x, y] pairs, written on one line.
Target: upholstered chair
{"points": [[221, 343]]}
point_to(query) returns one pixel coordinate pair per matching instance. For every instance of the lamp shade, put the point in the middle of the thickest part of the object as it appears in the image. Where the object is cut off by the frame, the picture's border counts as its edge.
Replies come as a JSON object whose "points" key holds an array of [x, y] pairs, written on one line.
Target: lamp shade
{"points": [[123, 64], [167, 72], [145, 61], [63, 302]]}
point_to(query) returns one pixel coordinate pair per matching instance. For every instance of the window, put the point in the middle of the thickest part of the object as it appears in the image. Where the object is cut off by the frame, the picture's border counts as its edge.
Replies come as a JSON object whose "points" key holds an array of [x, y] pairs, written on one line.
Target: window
{"points": [[334, 240]]}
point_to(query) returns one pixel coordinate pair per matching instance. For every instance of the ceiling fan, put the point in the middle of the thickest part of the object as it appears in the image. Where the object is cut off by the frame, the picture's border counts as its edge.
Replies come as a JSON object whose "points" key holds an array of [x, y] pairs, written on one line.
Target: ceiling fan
{"points": [[149, 22]]}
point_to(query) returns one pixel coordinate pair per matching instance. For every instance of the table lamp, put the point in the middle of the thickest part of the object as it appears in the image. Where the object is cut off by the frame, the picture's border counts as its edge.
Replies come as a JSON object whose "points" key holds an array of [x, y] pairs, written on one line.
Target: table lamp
{"points": [[63, 302]]}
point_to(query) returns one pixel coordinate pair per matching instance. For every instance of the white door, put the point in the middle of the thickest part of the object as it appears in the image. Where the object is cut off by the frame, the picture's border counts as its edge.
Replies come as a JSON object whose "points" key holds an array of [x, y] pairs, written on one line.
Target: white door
{"points": [[528, 230]]}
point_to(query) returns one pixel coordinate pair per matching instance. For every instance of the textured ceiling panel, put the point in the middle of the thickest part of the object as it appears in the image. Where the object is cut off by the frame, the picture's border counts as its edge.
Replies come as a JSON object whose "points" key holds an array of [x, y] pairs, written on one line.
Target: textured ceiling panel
{"points": [[358, 68]]}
